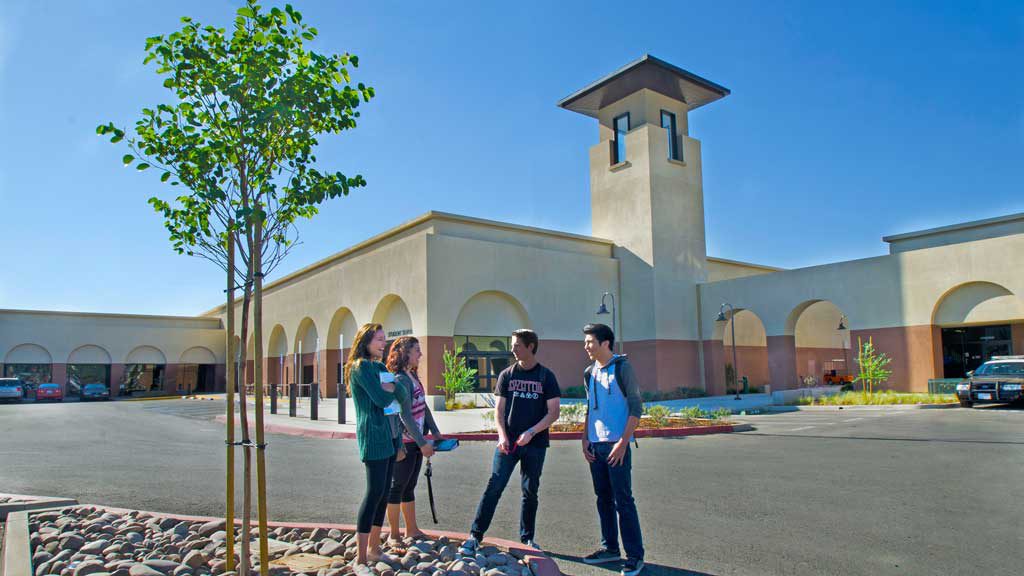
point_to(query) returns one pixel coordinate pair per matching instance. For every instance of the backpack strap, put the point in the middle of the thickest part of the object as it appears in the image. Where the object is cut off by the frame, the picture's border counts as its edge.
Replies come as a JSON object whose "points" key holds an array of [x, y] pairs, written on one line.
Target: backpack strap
{"points": [[622, 387]]}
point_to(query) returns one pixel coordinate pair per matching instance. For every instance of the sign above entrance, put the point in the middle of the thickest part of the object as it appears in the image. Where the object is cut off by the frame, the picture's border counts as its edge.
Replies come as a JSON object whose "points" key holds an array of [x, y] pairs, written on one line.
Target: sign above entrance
{"points": [[396, 333]]}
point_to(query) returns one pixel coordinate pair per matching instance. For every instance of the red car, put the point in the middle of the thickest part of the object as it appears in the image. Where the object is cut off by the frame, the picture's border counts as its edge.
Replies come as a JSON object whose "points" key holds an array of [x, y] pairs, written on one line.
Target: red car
{"points": [[50, 392]]}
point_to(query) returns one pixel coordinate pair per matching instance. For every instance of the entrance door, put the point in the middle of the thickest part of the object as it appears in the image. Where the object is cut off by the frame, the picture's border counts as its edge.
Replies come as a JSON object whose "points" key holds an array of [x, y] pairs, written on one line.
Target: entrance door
{"points": [[967, 347]]}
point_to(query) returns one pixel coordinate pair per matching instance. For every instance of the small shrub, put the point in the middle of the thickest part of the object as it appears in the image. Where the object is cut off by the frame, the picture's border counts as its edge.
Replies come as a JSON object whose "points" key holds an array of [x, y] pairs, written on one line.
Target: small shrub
{"points": [[658, 415], [572, 414], [458, 377], [693, 412], [721, 413], [489, 424]]}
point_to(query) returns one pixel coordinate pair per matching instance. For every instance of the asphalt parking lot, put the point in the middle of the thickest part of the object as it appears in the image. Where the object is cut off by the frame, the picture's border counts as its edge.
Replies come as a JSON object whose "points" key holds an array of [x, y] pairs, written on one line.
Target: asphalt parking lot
{"points": [[840, 492]]}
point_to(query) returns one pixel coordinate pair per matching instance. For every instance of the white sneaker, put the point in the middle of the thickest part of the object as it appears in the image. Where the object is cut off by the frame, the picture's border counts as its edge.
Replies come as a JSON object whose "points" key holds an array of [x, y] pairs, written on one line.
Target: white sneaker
{"points": [[469, 547]]}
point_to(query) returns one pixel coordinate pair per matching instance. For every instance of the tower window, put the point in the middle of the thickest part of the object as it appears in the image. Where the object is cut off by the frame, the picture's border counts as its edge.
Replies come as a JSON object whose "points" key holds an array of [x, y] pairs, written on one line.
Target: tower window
{"points": [[668, 122], [621, 124]]}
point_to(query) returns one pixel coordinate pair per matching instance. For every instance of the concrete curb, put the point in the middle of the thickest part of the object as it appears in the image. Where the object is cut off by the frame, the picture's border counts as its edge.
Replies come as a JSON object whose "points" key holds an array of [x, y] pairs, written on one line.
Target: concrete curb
{"points": [[18, 553], [493, 436], [860, 407], [151, 398], [32, 503]]}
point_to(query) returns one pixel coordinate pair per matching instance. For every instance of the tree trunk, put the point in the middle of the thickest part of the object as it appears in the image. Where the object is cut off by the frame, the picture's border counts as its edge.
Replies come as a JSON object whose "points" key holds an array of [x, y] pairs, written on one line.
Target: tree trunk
{"points": [[261, 461], [244, 424], [229, 488]]}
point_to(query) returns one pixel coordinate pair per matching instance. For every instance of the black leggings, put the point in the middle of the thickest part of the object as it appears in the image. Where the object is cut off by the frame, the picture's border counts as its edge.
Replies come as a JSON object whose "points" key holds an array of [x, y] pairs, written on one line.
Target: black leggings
{"points": [[375, 501], [407, 471]]}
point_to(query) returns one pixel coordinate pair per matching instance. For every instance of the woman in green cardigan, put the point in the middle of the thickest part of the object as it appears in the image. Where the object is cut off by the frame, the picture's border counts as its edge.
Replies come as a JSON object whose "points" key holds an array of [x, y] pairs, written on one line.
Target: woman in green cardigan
{"points": [[373, 391]]}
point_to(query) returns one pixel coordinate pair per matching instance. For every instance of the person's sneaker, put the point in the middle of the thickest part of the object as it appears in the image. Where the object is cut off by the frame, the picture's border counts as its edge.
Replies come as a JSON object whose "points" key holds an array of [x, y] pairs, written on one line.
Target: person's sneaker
{"points": [[632, 567], [469, 547], [602, 556], [533, 544]]}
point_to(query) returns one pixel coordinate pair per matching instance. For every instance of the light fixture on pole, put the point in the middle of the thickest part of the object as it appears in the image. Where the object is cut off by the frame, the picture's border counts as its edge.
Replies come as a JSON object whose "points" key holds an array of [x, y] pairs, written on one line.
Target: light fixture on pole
{"points": [[604, 310], [846, 354], [735, 365]]}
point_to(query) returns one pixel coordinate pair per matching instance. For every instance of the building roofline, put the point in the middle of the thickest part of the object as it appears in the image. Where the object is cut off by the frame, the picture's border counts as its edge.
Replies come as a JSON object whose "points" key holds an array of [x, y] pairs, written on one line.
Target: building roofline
{"points": [[686, 75], [433, 215], [954, 227], [747, 264], [103, 314]]}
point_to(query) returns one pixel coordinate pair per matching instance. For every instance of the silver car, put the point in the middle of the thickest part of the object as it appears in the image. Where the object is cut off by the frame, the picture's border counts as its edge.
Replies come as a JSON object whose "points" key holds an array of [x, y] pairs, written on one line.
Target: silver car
{"points": [[11, 389]]}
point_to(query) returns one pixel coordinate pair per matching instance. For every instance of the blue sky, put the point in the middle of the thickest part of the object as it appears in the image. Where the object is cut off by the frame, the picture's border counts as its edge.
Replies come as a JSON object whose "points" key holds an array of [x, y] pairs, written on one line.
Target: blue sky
{"points": [[847, 122]]}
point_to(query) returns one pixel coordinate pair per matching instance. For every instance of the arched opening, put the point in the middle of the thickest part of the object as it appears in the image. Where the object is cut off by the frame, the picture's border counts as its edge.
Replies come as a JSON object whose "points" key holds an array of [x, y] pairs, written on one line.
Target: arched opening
{"points": [[144, 371], [340, 334], [822, 338], [746, 358], [89, 364], [306, 343], [483, 331], [277, 354], [30, 363], [197, 371], [393, 315], [978, 320]]}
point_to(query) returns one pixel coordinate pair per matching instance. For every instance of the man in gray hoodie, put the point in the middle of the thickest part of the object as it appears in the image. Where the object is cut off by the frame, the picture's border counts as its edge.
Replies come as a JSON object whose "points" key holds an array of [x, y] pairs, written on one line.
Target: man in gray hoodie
{"points": [[613, 413]]}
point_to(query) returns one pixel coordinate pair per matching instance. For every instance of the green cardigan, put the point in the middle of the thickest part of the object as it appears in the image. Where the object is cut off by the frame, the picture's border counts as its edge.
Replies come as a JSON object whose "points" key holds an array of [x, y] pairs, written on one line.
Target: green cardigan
{"points": [[373, 427]]}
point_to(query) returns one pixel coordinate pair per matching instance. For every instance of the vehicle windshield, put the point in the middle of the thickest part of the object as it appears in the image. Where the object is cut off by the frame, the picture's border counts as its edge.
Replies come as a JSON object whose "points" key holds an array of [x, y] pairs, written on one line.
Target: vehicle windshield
{"points": [[9, 383], [1000, 369]]}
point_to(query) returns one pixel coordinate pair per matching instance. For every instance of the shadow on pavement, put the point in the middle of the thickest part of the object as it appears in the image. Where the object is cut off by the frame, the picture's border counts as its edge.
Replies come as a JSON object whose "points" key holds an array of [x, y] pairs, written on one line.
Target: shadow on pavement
{"points": [[614, 568]]}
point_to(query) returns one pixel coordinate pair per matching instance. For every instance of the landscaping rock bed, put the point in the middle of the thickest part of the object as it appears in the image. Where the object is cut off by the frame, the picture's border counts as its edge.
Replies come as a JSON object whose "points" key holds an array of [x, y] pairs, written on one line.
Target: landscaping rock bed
{"points": [[92, 541]]}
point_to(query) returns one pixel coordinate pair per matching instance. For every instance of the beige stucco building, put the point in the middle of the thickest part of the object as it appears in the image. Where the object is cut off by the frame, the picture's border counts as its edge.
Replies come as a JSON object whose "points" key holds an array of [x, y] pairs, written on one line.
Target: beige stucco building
{"points": [[938, 304]]}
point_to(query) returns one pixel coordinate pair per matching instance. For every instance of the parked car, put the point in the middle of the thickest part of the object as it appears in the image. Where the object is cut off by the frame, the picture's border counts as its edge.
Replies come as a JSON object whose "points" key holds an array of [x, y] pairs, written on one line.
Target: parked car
{"points": [[997, 381], [95, 392], [50, 392], [11, 389]]}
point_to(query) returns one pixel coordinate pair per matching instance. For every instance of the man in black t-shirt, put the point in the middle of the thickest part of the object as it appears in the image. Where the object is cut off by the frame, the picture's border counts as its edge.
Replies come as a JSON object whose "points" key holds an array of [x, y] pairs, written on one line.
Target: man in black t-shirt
{"points": [[528, 402]]}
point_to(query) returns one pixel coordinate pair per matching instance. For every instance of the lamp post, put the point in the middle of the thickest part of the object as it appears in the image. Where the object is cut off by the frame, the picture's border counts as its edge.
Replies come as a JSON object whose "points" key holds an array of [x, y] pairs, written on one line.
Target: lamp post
{"points": [[604, 310], [846, 355], [735, 364]]}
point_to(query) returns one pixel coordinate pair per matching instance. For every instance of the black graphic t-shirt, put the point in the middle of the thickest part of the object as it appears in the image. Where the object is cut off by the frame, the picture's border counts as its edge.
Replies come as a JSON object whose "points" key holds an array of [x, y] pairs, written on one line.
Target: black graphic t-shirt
{"points": [[526, 394]]}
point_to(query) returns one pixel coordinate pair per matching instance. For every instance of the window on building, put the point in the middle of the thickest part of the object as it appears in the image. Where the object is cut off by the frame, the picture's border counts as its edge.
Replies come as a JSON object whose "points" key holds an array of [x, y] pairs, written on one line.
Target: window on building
{"points": [[28, 373], [81, 374], [621, 125], [142, 378], [488, 355], [668, 122]]}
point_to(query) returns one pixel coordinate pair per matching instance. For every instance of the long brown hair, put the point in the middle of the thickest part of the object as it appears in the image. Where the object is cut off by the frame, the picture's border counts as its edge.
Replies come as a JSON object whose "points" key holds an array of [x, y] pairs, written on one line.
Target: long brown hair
{"points": [[398, 358], [360, 345]]}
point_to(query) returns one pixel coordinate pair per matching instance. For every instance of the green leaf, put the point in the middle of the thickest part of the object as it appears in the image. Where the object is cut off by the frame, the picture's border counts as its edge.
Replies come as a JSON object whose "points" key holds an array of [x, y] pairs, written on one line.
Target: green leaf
{"points": [[246, 11], [127, 159], [142, 166], [165, 177]]}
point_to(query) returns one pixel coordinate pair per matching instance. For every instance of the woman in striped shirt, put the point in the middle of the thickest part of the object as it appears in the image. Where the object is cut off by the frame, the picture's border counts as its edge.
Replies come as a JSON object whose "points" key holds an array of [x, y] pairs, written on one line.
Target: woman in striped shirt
{"points": [[403, 361]]}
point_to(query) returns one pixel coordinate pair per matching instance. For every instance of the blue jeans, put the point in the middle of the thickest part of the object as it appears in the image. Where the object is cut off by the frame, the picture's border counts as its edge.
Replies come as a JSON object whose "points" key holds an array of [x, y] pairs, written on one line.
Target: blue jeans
{"points": [[531, 464], [616, 509]]}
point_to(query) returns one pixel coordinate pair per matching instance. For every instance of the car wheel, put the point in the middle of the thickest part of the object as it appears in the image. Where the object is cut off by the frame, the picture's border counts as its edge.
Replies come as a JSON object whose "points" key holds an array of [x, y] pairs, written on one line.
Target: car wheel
{"points": [[966, 404]]}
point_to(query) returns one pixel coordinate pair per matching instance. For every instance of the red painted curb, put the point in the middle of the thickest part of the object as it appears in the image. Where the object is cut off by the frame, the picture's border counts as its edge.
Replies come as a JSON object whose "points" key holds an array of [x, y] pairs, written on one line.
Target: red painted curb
{"points": [[540, 563], [493, 436]]}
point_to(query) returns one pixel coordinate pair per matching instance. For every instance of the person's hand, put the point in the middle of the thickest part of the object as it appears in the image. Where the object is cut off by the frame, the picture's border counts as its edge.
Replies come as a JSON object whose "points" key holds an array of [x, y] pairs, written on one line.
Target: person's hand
{"points": [[388, 386], [525, 437], [618, 453], [427, 450], [503, 444], [586, 450]]}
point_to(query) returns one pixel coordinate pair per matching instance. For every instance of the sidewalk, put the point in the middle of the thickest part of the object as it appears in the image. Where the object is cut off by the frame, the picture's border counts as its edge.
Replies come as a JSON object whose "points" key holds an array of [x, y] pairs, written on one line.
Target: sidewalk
{"points": [[452, 422]]}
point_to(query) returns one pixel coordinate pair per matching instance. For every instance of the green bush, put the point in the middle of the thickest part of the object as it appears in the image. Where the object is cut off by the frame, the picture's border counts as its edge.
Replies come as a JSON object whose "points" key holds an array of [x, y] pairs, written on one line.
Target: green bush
{"points": [[658, 415], [574, 392], [721, 413], [458, 377], [887, 397], [572, 413]]}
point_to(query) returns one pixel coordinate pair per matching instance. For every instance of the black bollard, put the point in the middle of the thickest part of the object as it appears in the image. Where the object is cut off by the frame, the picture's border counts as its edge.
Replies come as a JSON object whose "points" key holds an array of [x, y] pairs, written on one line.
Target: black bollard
{"points": [[314, 401], [292, 399], [273, 398], [341, 403]]}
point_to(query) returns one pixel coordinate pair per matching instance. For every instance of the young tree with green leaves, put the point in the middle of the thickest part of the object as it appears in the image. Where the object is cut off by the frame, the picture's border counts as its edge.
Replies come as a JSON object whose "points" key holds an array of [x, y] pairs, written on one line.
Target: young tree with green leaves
{"points": [[239, 136], [873, 366]]}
